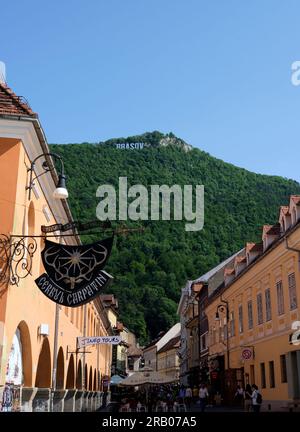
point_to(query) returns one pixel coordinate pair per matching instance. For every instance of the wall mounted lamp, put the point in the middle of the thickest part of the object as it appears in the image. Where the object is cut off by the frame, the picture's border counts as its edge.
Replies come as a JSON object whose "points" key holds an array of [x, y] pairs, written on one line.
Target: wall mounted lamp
{"points": [[60, 191]]}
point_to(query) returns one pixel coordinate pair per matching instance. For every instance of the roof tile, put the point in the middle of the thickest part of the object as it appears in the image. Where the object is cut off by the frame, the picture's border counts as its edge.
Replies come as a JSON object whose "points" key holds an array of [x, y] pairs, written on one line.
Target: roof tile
{"points": [[11, 104]]}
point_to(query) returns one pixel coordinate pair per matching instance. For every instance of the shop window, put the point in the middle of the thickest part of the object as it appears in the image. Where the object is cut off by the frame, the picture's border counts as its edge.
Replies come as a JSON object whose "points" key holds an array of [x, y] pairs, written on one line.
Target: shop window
{"points": [[271, 374], [283, 370], [252, 374], [263, 375]]}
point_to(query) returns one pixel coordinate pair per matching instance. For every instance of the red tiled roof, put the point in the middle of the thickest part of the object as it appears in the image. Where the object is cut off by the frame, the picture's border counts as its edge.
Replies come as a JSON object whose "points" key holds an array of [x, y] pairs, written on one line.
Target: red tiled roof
{"points": [[134, 351], [229, 271], [12, 104], [109, 300], [296, 199], [271, 229], [240, 259], [285, 210], [249, 246], [254, 247]]}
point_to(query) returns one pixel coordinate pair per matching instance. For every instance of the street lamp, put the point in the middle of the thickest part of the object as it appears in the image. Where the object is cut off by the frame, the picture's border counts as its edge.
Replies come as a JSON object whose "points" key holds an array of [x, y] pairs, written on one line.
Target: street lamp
{"points": [[60, 191], [224, 308]]}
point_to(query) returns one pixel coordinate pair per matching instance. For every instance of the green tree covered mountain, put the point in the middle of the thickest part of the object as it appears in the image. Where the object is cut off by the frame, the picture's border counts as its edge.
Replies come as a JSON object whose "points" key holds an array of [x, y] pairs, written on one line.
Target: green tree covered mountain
{"points": [[150, 268]]}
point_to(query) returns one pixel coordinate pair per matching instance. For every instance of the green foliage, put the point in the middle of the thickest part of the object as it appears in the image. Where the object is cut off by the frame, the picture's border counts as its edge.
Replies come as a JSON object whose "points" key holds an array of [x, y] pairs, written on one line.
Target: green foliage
{"points": [[150, 268]]}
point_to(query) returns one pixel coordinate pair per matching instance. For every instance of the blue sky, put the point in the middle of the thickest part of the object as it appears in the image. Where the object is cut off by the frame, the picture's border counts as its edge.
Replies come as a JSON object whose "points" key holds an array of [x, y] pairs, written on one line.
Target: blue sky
{"points": [[216, 73]]}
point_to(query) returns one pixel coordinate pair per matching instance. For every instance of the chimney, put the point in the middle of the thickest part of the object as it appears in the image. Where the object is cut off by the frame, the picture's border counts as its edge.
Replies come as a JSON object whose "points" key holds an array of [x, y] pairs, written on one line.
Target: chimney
{"points": [[2, 73]]}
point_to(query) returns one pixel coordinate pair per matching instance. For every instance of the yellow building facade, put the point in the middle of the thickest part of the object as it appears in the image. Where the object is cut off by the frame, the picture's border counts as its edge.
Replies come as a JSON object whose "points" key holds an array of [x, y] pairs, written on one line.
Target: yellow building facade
{"points": [[40, 369], [257, 307], [168, 359]]}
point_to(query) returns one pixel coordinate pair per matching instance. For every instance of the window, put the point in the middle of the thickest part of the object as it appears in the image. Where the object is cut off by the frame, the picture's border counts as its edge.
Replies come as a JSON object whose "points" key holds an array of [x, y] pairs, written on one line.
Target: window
{"points": [[292, 291], [225, 332], [202, 310], [252, 374], [204, 342], [272, 374], [259, 309], [232, 329], [280, 300], [283, 369], [241, 328], [268, 305], [263, 375], [221, 335], [250, 314]]}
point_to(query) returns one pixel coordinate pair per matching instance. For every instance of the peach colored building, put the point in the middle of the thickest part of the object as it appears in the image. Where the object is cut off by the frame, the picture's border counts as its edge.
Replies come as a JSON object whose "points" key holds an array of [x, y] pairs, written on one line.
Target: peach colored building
{"points": [[256, 336], [34, 373]]}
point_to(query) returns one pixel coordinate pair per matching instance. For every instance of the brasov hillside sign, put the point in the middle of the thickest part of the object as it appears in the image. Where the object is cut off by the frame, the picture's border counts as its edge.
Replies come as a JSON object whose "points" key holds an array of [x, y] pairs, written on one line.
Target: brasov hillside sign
{"points": [[132, 146], [74, 274], [96, 340]]}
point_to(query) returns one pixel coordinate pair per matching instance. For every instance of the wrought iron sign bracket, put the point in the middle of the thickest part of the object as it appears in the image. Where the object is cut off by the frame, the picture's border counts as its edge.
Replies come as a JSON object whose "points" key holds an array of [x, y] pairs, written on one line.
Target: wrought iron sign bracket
{"points": [[17, 251], [16, 255], [76, 352]]}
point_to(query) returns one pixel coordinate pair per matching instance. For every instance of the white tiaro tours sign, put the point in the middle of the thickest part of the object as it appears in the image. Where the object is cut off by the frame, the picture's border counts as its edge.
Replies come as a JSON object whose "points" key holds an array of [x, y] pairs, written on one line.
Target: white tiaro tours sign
{"points": [[85, 341]]}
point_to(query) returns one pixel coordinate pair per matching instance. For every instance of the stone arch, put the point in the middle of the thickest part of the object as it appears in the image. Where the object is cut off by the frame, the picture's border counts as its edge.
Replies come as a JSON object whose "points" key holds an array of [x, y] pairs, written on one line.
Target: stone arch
{"points": [[26, 353], [79, 376], [43, 373], [86, 384], [90, 387], [71, 374], [19, 364], [95, 380], [60, 369]]}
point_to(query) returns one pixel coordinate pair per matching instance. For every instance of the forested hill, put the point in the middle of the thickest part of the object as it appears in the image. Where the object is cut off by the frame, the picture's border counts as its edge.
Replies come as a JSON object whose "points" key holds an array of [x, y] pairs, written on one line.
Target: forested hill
{"points": [[150, 268]]}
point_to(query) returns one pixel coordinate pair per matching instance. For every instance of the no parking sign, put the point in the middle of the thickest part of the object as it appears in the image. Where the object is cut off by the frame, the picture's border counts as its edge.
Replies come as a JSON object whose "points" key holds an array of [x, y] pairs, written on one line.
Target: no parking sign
{"points": [[247, 354]]}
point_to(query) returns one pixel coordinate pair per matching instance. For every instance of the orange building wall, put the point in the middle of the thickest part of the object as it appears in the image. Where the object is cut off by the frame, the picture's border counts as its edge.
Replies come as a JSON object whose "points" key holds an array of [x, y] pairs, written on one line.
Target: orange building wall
{"points": [[24, 306]]}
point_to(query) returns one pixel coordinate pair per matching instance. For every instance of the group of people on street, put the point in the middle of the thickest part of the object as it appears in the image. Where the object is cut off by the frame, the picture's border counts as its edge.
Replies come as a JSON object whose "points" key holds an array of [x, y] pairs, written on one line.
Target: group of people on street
{"points": [[180, 398], [250, 398]]}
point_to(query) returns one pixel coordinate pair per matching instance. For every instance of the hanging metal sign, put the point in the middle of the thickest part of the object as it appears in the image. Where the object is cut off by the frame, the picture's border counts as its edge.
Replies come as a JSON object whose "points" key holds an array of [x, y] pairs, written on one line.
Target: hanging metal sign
{"points": [[74, 274], [80, 226], [96, 340]]}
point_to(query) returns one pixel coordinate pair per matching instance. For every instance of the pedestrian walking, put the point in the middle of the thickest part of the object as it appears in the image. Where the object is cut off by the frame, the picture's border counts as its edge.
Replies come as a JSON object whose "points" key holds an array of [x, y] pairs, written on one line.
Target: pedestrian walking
{"points": [[239, 396], [248, 398], [195, 393], [203, 396], [256, 398], [188, 396]]}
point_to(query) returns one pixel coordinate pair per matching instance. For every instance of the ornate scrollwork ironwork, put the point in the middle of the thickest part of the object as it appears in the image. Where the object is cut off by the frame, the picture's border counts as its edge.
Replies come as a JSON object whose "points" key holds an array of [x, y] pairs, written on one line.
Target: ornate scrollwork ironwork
{"points": [[16, 255]]}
